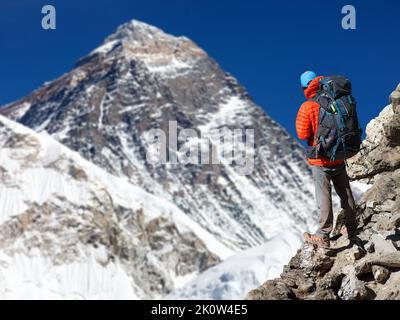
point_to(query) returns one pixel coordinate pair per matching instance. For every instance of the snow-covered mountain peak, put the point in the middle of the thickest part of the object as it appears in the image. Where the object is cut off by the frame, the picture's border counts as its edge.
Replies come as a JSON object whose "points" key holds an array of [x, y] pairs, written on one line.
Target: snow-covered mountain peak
{"points": [[141, 42], [138, 31]]}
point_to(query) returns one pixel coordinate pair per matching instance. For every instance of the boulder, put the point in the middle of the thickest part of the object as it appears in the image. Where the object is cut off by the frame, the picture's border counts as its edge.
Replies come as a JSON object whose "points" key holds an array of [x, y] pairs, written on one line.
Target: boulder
{"points": [[362, 268], [295, 278], [391, 260], [353, 289], [392, 130], [382, 246], [332, 280], [322, 295], [381, 152], [387, 206], [367, 214], [391, 289], [381, 274], [384, 224], [386, 187], [395, 101], [355, 253], [306, 287], [370, 247], [312, 261], [272, 290], [395, 220]]}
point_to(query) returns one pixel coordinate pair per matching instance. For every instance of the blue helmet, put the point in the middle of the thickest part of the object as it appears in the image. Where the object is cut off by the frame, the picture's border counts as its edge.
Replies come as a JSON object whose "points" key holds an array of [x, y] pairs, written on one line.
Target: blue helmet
{"points": [[307, 77]]}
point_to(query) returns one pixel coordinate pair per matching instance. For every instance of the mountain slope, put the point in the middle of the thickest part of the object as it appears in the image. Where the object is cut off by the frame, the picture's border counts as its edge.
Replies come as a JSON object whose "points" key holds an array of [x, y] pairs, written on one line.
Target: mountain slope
{"points": [[140, 79], [70, 230]]}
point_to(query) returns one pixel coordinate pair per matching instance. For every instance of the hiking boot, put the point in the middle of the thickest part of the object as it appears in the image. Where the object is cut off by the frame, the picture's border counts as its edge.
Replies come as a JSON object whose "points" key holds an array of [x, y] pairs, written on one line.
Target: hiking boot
{"points": [[320, 241]]}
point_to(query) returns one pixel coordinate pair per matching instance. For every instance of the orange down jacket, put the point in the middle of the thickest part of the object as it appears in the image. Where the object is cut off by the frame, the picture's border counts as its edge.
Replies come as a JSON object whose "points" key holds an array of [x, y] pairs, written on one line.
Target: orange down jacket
{"points": [[307, 123]]}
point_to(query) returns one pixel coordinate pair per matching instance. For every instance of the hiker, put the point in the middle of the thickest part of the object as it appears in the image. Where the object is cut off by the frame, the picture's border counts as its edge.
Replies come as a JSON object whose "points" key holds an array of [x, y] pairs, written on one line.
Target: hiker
{"points": [[326, 155]]}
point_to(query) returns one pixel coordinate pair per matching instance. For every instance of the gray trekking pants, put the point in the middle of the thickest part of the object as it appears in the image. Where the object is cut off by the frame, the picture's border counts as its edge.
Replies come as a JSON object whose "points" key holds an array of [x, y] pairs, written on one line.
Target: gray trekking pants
{"points": [[323, 193]]}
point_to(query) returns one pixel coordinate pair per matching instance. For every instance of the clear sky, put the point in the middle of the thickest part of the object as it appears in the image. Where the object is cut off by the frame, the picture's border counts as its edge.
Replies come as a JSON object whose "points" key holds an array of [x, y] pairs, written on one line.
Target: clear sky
{"points": [[265, 44]]}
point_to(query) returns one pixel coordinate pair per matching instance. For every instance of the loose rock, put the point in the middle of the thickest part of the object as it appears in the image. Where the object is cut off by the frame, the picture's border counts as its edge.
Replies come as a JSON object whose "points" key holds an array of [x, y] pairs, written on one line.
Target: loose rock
{"points": [[381, 245], [381, 274], [347, 272], [353, 289]]}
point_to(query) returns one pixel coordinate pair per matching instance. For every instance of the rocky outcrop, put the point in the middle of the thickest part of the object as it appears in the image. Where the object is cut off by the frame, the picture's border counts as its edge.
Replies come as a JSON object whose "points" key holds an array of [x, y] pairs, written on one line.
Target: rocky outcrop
{"points": [[381, 149], [370, 270]]}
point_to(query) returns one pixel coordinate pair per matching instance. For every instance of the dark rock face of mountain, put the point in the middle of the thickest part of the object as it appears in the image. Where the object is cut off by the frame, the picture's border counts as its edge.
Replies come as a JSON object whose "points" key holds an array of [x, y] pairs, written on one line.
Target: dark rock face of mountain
{"points": [[350, 272], [139, 80]]}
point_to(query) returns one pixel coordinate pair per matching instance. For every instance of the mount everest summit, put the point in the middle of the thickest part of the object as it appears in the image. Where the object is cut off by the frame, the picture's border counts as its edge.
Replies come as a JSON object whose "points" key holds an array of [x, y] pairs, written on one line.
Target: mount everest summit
{"points": [[85, 215]]}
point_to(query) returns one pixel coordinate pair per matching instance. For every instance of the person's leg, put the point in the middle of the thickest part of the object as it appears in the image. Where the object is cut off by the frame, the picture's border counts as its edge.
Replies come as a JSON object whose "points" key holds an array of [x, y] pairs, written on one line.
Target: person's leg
{"points": [[323, 194], [342, 186]]}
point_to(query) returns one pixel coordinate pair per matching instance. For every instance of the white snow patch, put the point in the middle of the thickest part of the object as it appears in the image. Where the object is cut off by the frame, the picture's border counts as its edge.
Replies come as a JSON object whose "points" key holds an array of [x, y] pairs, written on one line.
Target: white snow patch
{"points": [[20, 111], [359, 188], [105, 48], [234, 278], [37, 278]]}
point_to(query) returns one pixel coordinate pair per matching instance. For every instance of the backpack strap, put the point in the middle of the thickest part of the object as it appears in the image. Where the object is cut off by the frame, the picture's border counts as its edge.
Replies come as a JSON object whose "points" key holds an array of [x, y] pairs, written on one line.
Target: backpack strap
{"points": [[313, 152]]}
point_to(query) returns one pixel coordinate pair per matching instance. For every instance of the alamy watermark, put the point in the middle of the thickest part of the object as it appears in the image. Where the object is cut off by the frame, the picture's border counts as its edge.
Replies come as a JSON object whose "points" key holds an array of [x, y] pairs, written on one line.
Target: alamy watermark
{"points": [[231, 147], [49, 20], [349, 21]]}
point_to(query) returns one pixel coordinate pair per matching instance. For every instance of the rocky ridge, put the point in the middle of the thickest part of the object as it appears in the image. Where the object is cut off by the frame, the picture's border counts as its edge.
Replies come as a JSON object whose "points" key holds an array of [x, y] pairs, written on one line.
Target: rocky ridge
{"points": [[347, 272]]}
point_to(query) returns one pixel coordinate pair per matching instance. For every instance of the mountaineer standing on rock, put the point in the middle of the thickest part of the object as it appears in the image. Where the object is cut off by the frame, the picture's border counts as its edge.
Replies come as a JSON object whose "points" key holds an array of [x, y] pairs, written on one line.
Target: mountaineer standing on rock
{"points": [[328, 122]]}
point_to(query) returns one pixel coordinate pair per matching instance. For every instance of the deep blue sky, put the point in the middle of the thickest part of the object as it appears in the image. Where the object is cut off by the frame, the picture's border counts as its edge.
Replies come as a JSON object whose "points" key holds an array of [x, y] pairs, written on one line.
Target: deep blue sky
{"points": [[265, 44]]}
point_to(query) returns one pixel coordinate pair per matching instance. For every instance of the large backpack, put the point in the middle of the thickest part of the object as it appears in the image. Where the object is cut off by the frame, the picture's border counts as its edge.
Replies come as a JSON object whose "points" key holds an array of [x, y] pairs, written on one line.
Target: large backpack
{"points": [[339, 135]]}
